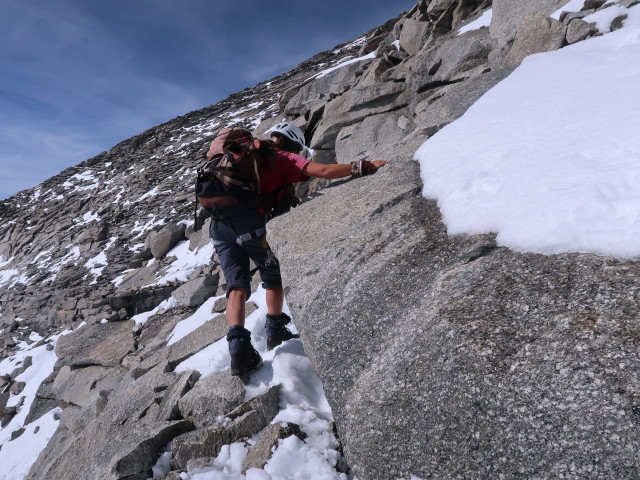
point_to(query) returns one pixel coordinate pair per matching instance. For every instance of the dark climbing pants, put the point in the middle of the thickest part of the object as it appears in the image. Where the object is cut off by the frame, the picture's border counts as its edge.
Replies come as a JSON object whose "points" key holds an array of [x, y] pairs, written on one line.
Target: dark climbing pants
{"points": [[238, 240]]}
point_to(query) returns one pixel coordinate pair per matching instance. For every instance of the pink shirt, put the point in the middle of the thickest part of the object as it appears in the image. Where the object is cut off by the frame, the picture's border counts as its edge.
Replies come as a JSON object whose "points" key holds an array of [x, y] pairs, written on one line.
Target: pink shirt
{"points": [[288, 169]]}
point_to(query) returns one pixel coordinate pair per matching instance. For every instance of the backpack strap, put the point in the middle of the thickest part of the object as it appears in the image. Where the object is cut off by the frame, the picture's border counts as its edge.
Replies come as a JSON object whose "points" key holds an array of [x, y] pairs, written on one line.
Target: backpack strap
{"points": [[222, 174], [219, 213], [195, 215], [245, 237], [255, 170]]}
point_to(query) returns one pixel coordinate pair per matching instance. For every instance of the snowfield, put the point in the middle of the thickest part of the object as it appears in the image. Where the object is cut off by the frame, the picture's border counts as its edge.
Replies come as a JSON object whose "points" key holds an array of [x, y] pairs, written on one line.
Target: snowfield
{"points": [[548, 159]]}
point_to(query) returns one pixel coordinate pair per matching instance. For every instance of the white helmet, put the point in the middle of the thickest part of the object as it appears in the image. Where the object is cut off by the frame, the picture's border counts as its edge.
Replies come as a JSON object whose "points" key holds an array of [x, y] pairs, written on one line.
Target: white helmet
{"points": [[292, 132]]}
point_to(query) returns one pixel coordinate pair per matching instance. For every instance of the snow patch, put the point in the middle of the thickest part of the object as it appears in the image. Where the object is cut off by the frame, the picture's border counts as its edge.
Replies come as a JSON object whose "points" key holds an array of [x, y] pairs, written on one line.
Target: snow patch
{"points": [[483, 21], [343, 63], [549, 160], [18, 455], [185, 263]]}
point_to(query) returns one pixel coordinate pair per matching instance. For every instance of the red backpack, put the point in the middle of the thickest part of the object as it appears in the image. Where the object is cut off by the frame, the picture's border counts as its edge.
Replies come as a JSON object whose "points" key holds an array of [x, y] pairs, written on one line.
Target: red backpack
{"points": [[229, 182], [230, 175]]}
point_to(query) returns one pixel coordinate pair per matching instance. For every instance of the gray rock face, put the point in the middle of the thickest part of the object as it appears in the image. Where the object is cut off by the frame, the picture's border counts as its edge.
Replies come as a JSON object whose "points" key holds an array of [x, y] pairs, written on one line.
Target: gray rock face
{"points": [[170, 356], [354, 106], [372, 137], [102, 344], [263, 449], [448, 59], [509, 14], [161, 242], [413, 34], [486, 362], [328, 86], [450, 103]]}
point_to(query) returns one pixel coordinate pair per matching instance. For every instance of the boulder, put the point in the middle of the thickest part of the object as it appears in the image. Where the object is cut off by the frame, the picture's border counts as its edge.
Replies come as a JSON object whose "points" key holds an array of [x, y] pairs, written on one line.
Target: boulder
{"points": [[129, 453], [195, 292], [263, 449], [7, 415], [121, 436], [168, 358], [137, 401], [211, 397], [155, 331], [4, 398], [207, 442], [168, 408], [74, 419], [17, 387], [209, 332], [373, 74], [164, 240], [220, 305], [246, 420], [265, 404], [82, 385], [536, 34], [438, 7], [39, 406], [200, 238], [101, 344], [457, 55], [578, 30], [95, 233], [413, 35]]}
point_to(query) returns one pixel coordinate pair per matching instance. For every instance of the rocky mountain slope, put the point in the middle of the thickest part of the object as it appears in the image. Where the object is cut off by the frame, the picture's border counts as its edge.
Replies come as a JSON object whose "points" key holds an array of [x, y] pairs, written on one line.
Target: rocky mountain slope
{"points": [[493, 363]]}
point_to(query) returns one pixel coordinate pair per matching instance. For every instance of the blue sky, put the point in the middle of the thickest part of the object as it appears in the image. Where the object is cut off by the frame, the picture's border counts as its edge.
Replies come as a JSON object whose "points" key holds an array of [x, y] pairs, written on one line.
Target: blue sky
{"points": [[78, 76]]}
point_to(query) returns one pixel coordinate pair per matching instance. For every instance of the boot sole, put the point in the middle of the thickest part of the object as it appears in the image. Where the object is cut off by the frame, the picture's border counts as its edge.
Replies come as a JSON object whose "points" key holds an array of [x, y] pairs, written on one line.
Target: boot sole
{"points": [[240, 373], [273, 343]]}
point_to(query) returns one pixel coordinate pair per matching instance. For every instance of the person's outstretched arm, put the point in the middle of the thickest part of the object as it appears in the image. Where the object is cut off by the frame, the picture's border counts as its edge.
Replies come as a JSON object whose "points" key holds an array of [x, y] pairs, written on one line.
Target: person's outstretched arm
{"points": [[340, 170]]}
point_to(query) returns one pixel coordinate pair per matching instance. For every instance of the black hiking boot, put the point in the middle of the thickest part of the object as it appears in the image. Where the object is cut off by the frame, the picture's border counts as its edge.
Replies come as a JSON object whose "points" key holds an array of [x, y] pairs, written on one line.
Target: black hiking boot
{"points": [[245, 363], [276, 330], [244, 358]]}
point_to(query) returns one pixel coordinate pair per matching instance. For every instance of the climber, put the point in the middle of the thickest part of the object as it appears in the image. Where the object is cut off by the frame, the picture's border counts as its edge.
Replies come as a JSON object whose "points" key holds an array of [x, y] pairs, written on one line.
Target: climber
{"points": [[240, 236]]}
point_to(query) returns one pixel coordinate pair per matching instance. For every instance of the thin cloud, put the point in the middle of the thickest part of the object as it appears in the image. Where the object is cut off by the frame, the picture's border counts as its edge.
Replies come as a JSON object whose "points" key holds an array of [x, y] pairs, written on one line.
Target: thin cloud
{"points": [[40, 157]]}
